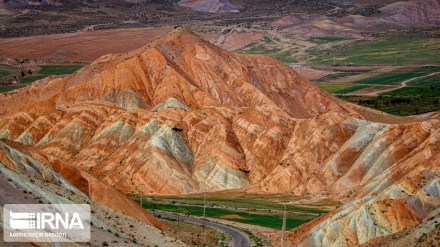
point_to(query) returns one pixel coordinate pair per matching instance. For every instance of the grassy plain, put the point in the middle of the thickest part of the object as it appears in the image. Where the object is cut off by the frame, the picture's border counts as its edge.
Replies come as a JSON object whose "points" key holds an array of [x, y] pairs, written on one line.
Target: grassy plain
{"points": [[340, 88], [429, 81], [266, 211], [45, 71], [391, 51], [48, 70], [10, 88], [287, 49], [7, 70], [416, 91], [399, 75]]}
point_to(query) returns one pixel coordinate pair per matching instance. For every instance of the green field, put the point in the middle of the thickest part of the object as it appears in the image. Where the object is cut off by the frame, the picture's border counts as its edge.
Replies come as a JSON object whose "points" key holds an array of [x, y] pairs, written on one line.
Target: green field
{"points": [[10, 87], [387, 51], [243, 201], [271, 47], [398, 105], [329, 39], [399, 75], [429, 81], [33, 78], [266, 220], [48, 70], [7, 70], [284, 56], [324, 45], [286, 49], [416, 91], [45, 71], [340, 88], [58, 69]]}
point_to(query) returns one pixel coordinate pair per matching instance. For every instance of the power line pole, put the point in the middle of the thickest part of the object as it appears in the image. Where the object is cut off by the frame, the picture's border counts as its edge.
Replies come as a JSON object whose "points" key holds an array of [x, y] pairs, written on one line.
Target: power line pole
{"points": [[141, 194], [284, 226]]}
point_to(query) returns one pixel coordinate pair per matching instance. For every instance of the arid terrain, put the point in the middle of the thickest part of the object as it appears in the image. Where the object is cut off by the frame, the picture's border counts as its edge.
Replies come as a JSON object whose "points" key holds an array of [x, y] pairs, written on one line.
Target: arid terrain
{"points": [[176, 100]]}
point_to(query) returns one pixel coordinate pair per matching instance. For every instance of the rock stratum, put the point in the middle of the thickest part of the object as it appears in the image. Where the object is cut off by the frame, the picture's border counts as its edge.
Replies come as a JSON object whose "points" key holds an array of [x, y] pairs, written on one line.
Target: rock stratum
{"points": [[180, 115]]}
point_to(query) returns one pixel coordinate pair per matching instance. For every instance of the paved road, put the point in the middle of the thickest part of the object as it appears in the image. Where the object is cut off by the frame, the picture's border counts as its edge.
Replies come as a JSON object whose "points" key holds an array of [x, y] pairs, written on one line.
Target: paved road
{"points": [[239, 239]]}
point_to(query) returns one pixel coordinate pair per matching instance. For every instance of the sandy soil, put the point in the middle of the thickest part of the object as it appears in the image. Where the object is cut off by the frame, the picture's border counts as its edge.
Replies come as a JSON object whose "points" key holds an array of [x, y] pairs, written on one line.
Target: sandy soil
{"points": [[310, 73], [87, 46], [232, 216], [79, 46]]}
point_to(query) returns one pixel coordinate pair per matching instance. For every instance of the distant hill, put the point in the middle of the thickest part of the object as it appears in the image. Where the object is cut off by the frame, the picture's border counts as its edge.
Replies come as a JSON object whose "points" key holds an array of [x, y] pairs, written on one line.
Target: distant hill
{"points": [[213, 6], [395, 16]]}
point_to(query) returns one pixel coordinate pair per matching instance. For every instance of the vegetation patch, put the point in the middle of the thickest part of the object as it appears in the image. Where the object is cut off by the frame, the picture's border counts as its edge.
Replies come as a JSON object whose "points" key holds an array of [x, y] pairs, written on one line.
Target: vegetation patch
{"points": [[267, 219], [10, 87], [387, 51], [429, 81], [399, 75], [48, 70], [271, 47], [416, 91], [7, 70], [398, 105], [329, 39], [58, 69], [340, 88], [30, 79], [248, 201]]}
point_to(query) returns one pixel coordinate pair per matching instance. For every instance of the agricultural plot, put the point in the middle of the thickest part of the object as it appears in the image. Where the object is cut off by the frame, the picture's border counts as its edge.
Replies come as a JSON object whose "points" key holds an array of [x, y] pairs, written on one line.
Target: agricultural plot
{"points": [[390, 51], [7, 70], [429, 81], [399, 75], [288, 50], [10, 87], [273, 47], [271, 220], [48, 70], [245, 201], [340, 88], [416, 91]]}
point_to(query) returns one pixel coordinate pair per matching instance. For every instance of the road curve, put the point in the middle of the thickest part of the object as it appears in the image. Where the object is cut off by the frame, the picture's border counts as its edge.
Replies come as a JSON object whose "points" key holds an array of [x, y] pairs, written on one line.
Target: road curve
{"points": [[239, 239]]}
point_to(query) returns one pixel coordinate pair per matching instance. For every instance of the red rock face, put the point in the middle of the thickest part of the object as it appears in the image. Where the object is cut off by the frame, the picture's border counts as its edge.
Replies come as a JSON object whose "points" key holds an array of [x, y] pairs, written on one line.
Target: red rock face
{"points": [[180, 115]]}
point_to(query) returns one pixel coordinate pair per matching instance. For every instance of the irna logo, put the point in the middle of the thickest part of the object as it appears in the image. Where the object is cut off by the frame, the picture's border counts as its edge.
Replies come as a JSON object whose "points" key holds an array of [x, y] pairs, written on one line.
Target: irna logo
{"points": [[45, 221]]}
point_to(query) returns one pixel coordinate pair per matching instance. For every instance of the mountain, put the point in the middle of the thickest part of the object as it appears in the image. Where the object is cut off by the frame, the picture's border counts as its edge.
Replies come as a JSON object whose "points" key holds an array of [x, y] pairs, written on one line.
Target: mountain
{"points": [[168, 100], [400, 15], [212, 6], [415, 12], [180, 115]]}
